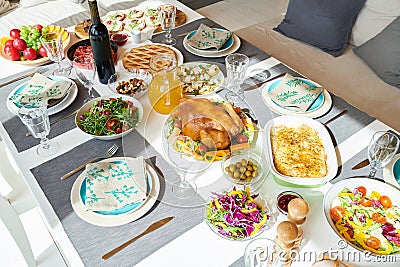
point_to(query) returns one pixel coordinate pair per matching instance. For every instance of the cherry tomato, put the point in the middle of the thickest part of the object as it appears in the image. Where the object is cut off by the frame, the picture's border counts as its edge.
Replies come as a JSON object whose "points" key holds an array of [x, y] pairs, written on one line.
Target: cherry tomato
{"points": [[362, 189], [376, 217], [241, 139], [373, 242], [365, 202], [238, 110], [118, 130], [178, 124], [337, 213], [112, 125], [385, 201], [203, 149]]}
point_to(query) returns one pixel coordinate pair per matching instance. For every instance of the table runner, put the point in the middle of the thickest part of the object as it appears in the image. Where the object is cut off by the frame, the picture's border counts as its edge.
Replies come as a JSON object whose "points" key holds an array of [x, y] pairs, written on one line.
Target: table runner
{"points": [[89, 241], [92, 241]]}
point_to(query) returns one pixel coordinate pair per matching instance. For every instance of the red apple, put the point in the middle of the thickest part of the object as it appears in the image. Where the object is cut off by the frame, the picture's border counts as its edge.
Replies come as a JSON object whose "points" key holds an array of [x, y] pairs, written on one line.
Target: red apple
{"points": [[11, 53], [29, 53], [38, 26], [42, 51], [19, 44], [15, 34], [9, 43]]}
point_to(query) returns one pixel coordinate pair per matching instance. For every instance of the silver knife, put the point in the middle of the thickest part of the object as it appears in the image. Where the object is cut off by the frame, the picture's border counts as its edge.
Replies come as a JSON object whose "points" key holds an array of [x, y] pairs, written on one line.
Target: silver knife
{"points": [[150, 229], [261, 83]]}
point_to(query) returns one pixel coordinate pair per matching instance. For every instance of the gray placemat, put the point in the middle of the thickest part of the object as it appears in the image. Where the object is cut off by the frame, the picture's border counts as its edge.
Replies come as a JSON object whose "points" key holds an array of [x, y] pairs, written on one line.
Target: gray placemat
{"points": [[16, 129], [91, 241]]}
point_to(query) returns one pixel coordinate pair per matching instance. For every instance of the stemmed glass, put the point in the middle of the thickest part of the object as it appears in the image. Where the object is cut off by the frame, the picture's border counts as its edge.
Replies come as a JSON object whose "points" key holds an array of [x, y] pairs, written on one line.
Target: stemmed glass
{"points": [[236, 66], [179, 151], [167, 14], [36, 120], [85, 70], [53, 44], [263, 252], [381, 150]]}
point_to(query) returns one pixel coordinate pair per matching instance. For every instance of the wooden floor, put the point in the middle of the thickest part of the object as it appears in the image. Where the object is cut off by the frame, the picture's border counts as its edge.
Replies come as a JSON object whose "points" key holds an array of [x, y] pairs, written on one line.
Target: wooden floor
{"points": [[238, 14]]}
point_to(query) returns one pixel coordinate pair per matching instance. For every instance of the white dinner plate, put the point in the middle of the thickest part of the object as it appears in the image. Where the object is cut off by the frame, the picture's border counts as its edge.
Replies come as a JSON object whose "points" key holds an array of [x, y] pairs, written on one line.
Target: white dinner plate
{"points": [[68, 99], [197, 52], [179, 55], [388, 174], [114, 220], [315, 113]]}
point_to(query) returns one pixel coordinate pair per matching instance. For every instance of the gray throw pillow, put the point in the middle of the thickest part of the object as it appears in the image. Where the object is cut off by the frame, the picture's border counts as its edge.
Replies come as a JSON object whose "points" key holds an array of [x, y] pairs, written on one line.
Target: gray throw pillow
{"points": [[325, 24], [382, 53]]}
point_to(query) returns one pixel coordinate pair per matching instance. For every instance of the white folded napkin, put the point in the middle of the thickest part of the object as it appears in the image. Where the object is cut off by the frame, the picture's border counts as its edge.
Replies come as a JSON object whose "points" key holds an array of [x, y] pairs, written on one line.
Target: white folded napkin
{"points": [[206, 37], [114, 185], [292, 92], [41, 89]]}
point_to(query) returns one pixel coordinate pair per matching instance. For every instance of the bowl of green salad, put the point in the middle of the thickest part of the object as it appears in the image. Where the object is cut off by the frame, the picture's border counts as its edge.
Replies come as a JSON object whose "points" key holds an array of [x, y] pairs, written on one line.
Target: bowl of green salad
{"points": [[109, 117]]}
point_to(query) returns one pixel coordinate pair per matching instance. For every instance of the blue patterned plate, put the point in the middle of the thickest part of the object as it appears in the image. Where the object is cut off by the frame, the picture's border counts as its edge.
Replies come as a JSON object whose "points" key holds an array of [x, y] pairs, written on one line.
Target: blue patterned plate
{"points": [[226, 45], [317, 103], [126, 209]]}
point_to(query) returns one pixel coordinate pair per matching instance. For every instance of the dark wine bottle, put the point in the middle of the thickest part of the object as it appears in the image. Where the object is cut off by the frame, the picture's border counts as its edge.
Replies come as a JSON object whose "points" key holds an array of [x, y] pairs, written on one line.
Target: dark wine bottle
{"points": [[101, 47]]}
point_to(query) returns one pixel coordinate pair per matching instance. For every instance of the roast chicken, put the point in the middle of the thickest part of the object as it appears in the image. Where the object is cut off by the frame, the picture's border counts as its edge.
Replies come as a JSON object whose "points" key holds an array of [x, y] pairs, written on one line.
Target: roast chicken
{"points": [[214, 125]]}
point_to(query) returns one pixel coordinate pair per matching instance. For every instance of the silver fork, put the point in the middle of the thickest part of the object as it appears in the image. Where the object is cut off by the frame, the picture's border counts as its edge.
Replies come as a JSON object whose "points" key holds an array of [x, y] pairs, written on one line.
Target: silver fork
{"points": [[40, 70], [110, 152]]}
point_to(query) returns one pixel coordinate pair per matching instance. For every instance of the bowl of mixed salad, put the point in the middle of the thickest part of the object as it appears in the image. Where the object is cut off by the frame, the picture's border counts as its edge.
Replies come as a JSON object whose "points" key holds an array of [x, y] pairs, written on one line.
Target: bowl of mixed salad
{"points": [[109, 117], [366, 213], [237, 214]]}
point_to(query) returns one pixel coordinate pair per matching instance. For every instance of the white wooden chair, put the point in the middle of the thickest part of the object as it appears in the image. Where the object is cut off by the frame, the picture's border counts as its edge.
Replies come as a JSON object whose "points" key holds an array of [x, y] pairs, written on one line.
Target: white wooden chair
{"points": [[16, 201]]}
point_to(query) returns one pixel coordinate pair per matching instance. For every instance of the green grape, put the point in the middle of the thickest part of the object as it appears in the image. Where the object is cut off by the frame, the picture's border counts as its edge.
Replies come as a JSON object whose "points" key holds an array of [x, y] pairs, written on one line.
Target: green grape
{"points": [[30, 27], [23, 28], [35, 30]]}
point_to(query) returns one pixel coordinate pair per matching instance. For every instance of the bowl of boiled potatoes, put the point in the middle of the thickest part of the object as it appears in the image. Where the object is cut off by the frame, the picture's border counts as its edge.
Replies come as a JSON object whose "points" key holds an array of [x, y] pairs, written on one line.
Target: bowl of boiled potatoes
{"points": [[242, 167]]}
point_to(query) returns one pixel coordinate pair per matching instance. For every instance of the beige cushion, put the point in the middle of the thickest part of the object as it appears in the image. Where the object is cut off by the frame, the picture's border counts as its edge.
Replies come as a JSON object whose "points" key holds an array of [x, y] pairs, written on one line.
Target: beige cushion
{"points": [[373, 18], [346, 76]]}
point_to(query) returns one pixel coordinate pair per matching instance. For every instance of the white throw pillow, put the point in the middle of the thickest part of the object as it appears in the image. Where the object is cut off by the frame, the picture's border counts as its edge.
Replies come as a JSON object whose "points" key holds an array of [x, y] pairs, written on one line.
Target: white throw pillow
{"points": [[28, 3], [373, 18]]}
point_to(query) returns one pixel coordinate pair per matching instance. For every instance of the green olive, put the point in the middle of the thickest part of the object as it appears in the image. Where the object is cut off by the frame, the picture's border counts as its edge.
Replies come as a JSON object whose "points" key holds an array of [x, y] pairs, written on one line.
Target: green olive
{"points": [[242, 169], [238, 165], [236, 174], [244, 162], [249, 168], [232, 168], [250, 163], [255, 174], [227, 168], [255, 167], [230, 174], [248, 173]]}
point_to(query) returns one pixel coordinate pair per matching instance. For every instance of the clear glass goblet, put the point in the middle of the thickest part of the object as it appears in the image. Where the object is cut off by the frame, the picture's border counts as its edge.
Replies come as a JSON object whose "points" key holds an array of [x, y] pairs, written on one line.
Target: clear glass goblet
{"points": [[85, 70], [53, 44], [167, 14], [36, 120], [263, 252], [236, 66], [381, 150], [179, 151]]}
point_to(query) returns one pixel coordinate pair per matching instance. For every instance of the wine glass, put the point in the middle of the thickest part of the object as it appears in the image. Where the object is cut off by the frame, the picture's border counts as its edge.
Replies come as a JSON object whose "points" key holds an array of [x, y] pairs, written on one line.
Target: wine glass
{"points": [[53, 44], [263, 252], [167, 14], [236, 66], [381, 150], [36, 120], [85, 70], [179, 151]]}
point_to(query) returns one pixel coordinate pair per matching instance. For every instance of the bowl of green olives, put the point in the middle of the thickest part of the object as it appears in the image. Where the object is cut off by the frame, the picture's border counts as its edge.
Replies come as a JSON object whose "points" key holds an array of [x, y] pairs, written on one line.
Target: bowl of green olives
{"points": [[242, 167]]}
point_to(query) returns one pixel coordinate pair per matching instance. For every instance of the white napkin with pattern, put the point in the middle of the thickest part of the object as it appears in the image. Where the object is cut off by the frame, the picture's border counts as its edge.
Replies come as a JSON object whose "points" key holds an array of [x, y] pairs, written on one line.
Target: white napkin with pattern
{"points": [[114, 185]]}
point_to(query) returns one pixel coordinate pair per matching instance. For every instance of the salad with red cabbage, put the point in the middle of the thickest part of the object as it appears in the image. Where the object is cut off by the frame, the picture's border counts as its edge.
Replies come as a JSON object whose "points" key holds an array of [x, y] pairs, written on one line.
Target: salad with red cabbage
{"points": [[237, 214]]}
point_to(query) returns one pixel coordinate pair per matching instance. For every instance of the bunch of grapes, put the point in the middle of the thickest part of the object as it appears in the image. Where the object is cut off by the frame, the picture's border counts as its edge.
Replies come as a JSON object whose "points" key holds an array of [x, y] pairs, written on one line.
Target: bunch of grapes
{"points": [[31, 35]]}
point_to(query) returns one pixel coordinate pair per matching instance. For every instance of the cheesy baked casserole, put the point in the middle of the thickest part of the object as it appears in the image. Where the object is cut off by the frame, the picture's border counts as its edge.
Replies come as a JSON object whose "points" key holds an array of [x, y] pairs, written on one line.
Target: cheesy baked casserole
{"points": [[298, 152]]}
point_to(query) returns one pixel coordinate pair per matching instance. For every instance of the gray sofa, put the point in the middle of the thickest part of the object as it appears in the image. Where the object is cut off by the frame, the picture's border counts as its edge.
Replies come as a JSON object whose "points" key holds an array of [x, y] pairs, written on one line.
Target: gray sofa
{"points": [[346, 76]]}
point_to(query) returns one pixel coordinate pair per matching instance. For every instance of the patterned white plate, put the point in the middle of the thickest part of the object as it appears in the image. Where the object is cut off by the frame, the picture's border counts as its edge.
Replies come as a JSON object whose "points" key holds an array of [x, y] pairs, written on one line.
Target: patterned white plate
{"points": [[114, 220]]}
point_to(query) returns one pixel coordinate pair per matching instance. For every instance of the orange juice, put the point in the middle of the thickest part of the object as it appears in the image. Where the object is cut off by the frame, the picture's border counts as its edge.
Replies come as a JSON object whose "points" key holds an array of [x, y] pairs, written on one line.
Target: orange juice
{"points": [[165, 92]]}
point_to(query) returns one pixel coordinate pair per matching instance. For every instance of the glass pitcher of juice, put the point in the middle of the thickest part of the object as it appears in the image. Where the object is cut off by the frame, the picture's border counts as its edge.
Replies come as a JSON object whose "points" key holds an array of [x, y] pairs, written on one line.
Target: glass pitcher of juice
{"points": [[165, 89]]}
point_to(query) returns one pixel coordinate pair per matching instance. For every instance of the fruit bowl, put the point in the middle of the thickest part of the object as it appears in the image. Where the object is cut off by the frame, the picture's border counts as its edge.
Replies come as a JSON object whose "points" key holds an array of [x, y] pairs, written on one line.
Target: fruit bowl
{"points": [[40, 59]]}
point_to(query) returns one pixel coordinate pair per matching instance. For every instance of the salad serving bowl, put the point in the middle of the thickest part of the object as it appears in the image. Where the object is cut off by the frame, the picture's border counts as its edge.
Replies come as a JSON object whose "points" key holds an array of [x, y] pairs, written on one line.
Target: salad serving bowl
{"points": [[370, 209], [111, 119], [237, 214]]}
